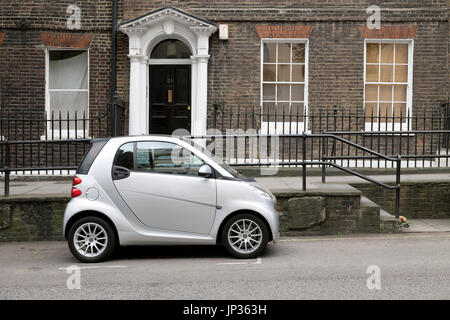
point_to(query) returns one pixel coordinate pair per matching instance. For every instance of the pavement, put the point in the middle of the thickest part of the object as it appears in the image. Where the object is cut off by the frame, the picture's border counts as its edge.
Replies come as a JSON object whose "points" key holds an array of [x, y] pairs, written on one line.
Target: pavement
{"points": [[62, 187], [411, 266], [315, 181], [427, 225]]}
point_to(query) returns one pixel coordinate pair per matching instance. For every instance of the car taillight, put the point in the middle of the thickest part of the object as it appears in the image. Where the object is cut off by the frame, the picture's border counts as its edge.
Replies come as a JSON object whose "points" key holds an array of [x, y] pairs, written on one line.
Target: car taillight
{"points": [[76, 181], [75, 192]]}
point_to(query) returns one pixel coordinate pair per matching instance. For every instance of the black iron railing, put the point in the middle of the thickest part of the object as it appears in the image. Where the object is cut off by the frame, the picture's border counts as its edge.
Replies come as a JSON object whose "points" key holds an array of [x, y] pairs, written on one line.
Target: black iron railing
{"points": [[61, 125], [252, 145], [422, 139], [42, 157], [55, 142], [446, 116]]}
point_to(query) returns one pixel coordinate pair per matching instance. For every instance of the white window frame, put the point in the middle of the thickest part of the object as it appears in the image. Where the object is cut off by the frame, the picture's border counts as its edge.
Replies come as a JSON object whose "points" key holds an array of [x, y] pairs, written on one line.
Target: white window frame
{"points": [[54, 134], [277, 127], [382, 126]]}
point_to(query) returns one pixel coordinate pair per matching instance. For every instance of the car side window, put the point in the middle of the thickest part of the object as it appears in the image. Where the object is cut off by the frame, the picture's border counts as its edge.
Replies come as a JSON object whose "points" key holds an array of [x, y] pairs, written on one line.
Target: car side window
{"points": [[124, 156], [166, 157]]}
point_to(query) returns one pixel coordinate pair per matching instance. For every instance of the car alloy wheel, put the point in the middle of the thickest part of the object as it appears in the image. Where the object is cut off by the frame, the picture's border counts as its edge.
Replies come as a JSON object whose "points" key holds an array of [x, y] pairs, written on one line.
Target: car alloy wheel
{"points": [[245, 236], [90, 239]]}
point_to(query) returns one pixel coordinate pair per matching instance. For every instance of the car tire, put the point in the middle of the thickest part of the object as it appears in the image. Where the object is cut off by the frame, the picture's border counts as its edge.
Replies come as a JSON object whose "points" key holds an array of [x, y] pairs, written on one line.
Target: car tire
{"points": [[245, 236], [92, 239]]}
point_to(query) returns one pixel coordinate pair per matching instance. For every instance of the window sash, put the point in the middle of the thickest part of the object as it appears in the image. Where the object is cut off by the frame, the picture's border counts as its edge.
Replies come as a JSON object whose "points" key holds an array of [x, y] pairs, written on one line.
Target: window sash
{"points": [[55, 133], [393, 102], [277, 82]]}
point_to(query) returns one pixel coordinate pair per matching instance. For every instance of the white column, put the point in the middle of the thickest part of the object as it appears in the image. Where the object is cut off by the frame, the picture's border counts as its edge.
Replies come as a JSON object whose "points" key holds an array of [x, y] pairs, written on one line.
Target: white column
{"points": [[193, 94], [138, 120], [134, 107], [199, 122], [143, 104], [199, 115], [137, 105]]}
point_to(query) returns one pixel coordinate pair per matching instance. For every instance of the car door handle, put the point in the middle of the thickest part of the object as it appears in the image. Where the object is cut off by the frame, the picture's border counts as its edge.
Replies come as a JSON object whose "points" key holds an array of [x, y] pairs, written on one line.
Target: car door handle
{"points": [[119, 173]]}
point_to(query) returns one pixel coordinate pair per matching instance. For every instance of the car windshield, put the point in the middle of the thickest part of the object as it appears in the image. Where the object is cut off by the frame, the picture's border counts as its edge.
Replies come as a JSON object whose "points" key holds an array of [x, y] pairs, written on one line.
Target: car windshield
{"points": [[235, 173]]}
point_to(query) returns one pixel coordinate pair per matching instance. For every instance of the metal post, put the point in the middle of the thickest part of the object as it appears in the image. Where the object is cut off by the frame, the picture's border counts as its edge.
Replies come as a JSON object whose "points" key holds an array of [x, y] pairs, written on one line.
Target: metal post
{"points": [[215, 115], [7, 164], [335, 110], [324, 154], [397, 187], [304, 159]]}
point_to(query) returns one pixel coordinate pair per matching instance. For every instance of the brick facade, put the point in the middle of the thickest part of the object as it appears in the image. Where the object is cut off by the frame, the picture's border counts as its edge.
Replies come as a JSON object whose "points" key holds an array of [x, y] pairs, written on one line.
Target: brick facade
{"points": [[22, 53], [336, 32]]}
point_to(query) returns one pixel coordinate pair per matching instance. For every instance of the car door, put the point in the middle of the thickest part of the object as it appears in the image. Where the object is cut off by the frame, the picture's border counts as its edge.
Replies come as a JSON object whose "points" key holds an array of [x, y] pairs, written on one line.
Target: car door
{"points": [[163, 188]]}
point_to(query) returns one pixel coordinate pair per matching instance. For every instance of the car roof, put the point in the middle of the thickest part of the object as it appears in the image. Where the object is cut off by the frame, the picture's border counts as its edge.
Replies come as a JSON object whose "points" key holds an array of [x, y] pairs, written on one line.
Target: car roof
{"points": [[147, 136]]}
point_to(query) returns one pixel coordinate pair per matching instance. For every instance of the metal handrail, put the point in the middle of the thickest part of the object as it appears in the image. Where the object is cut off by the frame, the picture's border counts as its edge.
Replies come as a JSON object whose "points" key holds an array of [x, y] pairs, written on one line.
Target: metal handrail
{"points": [[323, 163]]}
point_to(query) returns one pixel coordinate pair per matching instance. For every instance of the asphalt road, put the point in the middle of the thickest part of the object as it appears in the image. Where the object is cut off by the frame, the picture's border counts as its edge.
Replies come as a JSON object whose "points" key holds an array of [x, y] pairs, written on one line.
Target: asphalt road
{"points": [[412, 266]]}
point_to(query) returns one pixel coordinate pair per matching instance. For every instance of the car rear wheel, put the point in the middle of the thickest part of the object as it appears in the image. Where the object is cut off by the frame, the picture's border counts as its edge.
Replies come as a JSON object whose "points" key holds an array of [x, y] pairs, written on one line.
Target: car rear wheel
{"points": [[91, 239], [245, 236]]}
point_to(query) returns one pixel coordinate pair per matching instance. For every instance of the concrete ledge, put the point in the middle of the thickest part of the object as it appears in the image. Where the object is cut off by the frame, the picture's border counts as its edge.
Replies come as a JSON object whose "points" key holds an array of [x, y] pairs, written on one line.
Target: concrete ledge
{"points": [[315, 192], [314, 172], [33, 198]]}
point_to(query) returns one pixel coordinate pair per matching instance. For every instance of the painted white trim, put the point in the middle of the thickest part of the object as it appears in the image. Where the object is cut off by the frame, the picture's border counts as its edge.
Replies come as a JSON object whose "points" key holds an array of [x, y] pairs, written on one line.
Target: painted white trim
{"points": [[409, 91], [65, 134], [169, 61], [277, 127]]}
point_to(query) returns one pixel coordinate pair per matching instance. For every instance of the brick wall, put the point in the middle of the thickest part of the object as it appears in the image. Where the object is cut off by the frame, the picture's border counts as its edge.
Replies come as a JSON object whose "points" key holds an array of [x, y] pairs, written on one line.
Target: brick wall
{"points": [[22, 60], [31, 218], [417, 199], [332, 213]]}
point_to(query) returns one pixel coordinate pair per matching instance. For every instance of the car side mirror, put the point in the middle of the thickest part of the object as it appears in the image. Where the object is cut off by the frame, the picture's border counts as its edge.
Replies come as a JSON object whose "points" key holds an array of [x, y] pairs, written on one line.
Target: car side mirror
{"points": [[205, 171]]}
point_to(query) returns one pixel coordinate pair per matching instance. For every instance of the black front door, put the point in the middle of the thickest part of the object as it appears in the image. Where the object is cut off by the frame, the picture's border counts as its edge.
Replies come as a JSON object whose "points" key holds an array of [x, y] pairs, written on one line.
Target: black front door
{"points": [[170, 98]]}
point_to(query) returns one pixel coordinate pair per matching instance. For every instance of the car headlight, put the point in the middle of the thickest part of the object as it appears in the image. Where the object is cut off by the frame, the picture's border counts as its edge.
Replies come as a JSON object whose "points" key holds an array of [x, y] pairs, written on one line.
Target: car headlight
{"points": [[261, 192]]}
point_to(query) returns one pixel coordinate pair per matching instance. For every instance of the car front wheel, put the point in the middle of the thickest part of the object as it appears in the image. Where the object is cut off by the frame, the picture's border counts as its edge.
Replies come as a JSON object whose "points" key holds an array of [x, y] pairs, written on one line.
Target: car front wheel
{"points": [[91, 239], [245, 236]]}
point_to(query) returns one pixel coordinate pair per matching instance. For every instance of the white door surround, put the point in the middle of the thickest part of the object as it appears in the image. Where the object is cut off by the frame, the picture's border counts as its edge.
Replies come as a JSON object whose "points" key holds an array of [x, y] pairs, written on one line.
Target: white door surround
{"points": [[144, 33]]}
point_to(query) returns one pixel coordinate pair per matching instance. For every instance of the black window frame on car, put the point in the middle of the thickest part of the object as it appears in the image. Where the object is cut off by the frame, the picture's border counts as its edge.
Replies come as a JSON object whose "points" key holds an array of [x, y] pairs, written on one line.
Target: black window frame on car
{"points": [[135, 167], [91, 154]]}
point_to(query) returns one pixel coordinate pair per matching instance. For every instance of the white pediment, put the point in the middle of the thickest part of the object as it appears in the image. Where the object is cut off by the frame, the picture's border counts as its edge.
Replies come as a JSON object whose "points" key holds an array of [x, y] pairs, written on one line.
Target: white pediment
{"points": [[166, 15]]}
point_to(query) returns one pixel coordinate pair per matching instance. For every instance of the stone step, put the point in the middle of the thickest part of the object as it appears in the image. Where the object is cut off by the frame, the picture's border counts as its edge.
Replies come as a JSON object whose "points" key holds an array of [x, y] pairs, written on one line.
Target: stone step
{"points": [[370, 214], [386, 221]]}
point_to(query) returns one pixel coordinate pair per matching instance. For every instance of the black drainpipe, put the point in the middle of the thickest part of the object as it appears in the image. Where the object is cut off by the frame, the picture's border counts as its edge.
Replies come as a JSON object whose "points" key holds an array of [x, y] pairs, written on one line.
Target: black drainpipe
{"points": [[113, 65]]}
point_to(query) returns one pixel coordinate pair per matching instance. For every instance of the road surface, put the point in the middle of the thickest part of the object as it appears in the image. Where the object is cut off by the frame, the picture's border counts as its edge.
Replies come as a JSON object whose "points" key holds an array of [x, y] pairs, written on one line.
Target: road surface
{"points": [[411, 266]]}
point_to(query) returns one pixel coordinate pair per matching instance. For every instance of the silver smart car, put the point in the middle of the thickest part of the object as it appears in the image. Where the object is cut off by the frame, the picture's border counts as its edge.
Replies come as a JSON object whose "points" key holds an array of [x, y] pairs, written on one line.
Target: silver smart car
{"points": [[161, 190]]}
